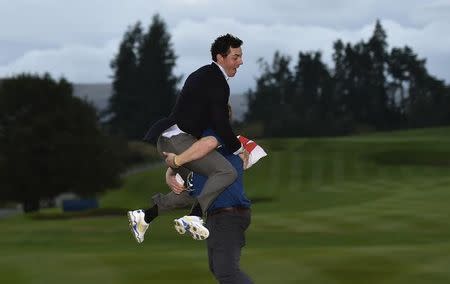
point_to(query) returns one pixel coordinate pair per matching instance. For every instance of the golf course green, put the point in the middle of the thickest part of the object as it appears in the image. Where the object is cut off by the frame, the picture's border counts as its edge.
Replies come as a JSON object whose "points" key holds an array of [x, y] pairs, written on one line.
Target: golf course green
{"points": [[358, 209]]}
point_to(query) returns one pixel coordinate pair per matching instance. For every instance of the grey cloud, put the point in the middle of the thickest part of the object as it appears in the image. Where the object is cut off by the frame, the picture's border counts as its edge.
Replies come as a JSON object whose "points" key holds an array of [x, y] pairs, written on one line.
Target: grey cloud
{"points": [[74, 62], [79, 38]]}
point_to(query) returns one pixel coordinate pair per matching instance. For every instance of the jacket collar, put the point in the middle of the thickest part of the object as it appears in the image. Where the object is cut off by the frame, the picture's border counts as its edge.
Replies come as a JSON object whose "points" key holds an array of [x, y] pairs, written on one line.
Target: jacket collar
{"points": [[221, 69]]}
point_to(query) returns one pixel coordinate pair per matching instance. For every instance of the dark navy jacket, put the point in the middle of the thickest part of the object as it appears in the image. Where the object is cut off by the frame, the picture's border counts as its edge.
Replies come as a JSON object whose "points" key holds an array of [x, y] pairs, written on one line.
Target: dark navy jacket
{"points": [[202, 104]]}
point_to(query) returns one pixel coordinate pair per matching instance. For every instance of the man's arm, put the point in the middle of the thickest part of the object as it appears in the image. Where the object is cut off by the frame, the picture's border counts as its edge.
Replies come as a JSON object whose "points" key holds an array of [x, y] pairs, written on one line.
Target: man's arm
{"points": [[197, 151]]}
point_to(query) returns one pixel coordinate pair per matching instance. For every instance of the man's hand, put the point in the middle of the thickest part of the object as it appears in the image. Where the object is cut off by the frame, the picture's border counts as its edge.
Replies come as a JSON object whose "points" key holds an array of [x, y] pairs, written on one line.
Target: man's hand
{"points": [[244, 156], [173, 183], [170, 160]]}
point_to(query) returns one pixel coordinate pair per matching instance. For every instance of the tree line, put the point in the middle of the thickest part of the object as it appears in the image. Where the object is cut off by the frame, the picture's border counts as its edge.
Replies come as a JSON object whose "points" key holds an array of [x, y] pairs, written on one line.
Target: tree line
{"points": [[369, 88]]}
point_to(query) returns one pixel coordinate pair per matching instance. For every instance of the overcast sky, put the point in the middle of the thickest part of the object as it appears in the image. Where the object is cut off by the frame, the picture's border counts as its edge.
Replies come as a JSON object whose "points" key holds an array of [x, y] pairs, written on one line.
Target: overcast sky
{"points": [[77, 39]]}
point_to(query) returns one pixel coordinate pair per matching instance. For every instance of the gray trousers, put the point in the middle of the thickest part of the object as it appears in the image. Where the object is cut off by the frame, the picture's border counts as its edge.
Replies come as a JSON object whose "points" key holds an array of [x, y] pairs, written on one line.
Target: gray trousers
{"points": [[225, 242], [219, 171]]}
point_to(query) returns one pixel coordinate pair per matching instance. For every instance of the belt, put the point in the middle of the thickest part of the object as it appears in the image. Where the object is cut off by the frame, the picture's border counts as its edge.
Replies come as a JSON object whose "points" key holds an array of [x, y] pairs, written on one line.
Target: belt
{"points": [[237, 210]]}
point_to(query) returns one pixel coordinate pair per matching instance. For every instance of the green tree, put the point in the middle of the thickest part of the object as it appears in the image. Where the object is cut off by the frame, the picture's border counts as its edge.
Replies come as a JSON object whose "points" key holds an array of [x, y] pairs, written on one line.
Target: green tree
{"points": [[377, 101], [144, 87], [50, 143], [124, 101], [314, 100], [426, 98], [399, 64], [156, 81], [358, 99], [273, 97], [343, 118], [421, 99]]}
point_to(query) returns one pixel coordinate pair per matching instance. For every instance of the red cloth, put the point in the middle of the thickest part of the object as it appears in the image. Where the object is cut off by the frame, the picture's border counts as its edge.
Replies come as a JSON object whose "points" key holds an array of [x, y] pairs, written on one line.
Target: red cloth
{"points": [[255, 151]]}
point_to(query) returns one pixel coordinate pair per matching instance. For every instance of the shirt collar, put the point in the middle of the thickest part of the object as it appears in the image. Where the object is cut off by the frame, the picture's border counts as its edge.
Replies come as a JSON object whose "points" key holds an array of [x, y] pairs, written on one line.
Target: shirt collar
{"points": [[223, 71]]}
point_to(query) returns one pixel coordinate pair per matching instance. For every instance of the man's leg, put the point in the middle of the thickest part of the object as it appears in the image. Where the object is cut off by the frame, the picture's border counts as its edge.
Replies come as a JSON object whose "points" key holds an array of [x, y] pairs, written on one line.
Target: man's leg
{"points": [[197, 151], [225, 242], [219, 171], [171, 201]]}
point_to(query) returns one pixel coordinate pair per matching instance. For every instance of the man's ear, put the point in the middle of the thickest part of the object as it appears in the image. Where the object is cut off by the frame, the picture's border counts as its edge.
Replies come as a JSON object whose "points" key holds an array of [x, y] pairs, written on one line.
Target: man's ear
{"points": [[219, 58]]}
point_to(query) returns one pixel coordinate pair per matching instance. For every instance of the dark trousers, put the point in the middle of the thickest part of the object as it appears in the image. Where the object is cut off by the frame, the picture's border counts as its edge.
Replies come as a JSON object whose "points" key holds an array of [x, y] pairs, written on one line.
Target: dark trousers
{"points": [[219, 171], [225, 242]]}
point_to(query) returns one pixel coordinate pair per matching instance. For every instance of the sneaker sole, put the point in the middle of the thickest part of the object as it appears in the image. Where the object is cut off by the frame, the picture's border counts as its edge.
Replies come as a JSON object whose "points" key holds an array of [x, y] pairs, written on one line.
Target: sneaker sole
{"points": [[198, 233], [131, 224], [179, 226]]}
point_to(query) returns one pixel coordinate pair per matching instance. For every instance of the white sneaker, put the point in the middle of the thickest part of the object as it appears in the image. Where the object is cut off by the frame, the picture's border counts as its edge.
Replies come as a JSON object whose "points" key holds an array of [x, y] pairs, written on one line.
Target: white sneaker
{"points": [[193, 225], [138, 225]]}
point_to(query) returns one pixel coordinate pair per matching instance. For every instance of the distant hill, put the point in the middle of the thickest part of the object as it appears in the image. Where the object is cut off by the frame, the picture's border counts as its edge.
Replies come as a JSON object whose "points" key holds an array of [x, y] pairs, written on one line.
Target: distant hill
{"points": [[99, 93]]}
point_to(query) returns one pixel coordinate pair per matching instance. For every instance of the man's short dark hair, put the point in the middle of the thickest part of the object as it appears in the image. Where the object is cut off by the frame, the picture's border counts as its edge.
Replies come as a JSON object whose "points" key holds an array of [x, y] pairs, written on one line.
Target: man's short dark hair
{"points": [[222, 45]]}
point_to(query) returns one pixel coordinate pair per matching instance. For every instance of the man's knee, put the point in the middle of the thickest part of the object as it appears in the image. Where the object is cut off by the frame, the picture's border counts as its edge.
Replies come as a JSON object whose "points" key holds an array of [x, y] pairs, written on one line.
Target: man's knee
{"points": [[231, 174]]}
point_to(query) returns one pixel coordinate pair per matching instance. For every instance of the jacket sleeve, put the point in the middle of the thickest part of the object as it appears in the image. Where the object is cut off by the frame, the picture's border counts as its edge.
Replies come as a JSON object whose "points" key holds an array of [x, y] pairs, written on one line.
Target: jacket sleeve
{"points": [[221, 120]]}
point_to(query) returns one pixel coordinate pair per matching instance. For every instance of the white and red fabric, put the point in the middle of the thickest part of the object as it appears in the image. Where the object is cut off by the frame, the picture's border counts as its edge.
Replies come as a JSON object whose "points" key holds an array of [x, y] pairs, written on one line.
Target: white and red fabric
{"points": [[255, 151]]}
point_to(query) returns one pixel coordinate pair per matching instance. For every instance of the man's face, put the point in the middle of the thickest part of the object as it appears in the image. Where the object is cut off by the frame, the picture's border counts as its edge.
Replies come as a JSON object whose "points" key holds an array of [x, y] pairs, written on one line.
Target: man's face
{"points": [[231, 62]]}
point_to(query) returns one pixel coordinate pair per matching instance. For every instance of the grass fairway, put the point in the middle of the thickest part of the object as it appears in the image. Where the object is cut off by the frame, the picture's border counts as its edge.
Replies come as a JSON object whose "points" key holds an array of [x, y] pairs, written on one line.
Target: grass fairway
{"points": [[360, 209]]}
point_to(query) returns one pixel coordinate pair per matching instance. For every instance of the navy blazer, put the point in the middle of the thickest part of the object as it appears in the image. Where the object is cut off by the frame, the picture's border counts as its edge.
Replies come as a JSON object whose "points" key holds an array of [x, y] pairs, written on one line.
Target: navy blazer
{"points": [[201, 104]]}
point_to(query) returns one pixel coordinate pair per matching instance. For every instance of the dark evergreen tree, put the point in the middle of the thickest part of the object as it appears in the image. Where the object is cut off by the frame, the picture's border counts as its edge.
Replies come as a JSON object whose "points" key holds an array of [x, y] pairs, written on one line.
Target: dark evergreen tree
{"points": [[359, 65], [273, 97], [50, 143], [399, 62], [344, 121], [144, 87], [425, 97], [339, 76], [314, 104], [156, 81], [422, 100], [125, 101], [377, 101]]}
